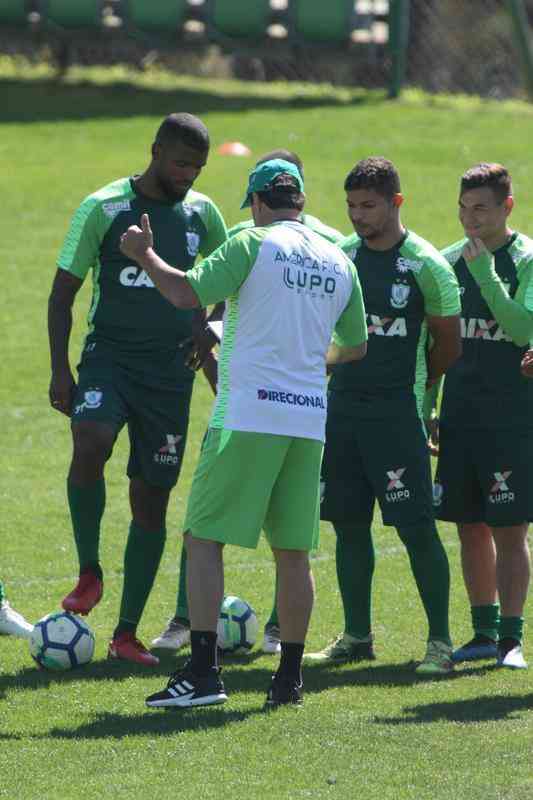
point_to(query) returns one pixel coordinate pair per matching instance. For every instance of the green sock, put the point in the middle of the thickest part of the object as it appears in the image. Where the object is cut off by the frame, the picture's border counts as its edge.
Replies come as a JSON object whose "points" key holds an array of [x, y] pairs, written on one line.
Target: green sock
{"points": [[2, 592], [141, 561], [512, 628], [273, 618], [486, 620], [182, 607], [429, 564], [355, 568], [87, 505]]}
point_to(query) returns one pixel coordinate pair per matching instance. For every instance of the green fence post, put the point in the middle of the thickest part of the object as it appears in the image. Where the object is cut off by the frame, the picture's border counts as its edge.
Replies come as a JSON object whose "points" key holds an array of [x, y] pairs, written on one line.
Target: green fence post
{"points": [[523, 38], [398, 42]]}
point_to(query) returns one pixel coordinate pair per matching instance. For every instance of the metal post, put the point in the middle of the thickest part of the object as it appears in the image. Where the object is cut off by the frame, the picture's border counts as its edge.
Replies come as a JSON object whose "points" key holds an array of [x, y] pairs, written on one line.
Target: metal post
{"points": [[523, 39], [398, 42]]}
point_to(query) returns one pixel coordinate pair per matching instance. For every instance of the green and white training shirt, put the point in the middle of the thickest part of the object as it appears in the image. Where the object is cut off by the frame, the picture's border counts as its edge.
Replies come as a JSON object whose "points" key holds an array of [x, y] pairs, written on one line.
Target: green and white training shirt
{"points": [[485, 388], [287, 292], [316, 225], [128, 317], [401, 287]]}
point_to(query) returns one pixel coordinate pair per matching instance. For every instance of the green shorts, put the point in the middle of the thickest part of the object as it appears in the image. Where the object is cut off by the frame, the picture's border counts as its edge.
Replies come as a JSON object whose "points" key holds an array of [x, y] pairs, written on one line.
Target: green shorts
{"points": [[248, 481], [484, 476], [367, 459], [155, 410]]}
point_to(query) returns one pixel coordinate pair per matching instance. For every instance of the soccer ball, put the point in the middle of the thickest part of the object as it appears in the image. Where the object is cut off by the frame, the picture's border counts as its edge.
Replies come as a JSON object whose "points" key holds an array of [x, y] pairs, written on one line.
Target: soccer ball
{"points": [[237, 626], [61, 641]]}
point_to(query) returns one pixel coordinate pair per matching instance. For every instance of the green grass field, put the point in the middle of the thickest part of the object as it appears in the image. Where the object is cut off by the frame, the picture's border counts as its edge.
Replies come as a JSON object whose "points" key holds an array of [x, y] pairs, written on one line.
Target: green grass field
{"points": [[370, 732]]}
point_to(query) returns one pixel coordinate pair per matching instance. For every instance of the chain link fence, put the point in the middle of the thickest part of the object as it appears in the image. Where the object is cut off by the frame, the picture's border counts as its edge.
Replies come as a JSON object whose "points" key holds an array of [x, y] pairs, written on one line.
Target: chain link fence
{"points": [[454, 46]]}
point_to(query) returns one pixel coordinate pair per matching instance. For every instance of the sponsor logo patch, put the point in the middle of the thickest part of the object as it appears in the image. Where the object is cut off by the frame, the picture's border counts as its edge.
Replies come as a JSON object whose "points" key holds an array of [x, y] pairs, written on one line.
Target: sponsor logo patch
{"points": [[396, 491], [408, 265], [92, 399], [386, 326], [168, 454], [112, 209], [487, 329], [291, 398], [500, 492]]}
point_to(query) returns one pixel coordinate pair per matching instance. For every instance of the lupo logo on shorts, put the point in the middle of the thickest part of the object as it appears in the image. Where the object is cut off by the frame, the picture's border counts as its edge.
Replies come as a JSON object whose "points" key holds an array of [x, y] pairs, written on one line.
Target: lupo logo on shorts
{"points": [[500, 492], [291, 398], [396, 490]]}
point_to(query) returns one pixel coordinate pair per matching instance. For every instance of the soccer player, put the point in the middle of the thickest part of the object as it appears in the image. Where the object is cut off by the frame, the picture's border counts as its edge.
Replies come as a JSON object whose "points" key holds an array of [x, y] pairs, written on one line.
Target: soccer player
{"points": [[11, 622], [375, 440], [133, 369], [287, 290], [177, 632], [484, 475]]}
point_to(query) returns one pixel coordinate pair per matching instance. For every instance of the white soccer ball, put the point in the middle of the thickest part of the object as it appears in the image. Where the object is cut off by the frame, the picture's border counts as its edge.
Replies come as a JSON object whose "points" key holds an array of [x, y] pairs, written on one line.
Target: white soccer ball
{"points": [[237, 626], [61, 641]]}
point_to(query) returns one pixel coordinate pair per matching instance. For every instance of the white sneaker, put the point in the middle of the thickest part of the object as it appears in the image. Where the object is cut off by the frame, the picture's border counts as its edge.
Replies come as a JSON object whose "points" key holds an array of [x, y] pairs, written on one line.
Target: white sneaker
{"points": [[271, 640], [513, 659], [175, 636], [12, 623]]}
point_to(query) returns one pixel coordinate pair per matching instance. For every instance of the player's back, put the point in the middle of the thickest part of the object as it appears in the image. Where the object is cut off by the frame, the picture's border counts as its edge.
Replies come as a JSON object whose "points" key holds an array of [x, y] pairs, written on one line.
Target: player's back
{"points": [[278, 329]]}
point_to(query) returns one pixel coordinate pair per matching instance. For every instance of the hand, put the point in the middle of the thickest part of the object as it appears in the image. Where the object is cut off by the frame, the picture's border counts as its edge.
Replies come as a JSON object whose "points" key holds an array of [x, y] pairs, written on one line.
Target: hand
{"points": [[473, 249], [61, 392], [432, 428], [136, 241], [211, 371], [200, 345], [527, 365]]}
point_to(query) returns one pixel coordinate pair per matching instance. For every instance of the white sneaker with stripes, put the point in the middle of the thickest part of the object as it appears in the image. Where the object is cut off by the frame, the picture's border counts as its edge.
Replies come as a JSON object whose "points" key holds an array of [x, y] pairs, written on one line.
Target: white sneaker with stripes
{"points": [[185, 689]]}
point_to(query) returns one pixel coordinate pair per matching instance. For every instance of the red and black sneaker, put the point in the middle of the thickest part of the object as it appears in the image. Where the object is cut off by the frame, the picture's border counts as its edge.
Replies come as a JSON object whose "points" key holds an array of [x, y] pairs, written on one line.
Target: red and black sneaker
{"points": [[85, 595], [125, 646]]}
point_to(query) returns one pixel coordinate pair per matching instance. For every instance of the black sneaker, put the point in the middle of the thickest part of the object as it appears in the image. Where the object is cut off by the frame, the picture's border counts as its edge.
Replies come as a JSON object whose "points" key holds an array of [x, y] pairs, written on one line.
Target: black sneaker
{"points": [[185, 689], [477, 649], [283, 691]]}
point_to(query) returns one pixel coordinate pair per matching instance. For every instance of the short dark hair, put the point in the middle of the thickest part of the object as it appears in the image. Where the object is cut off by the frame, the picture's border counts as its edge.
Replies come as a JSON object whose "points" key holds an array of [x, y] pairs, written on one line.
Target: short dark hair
{"points": [[494, 176], [286, 155], [375, 173], [185, 128], [283, 193]]}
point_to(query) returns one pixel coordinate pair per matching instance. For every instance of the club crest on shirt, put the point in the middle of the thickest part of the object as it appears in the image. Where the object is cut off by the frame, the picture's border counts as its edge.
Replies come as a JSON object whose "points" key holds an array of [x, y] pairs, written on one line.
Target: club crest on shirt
{"points": [[399, 295], [193, 243]]}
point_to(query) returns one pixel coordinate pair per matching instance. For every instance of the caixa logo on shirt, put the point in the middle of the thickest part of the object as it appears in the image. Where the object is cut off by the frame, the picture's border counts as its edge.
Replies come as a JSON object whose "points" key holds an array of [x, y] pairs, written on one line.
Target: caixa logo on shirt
{"points": [[386, 326], [487, 329], [291, 398], [133, 276], [500, 492]]}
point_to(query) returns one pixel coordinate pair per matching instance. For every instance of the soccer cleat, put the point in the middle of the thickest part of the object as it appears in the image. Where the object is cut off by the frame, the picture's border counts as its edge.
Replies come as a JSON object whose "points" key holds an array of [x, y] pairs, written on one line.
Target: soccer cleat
{"points": [[477, 649], [185, 689], [85, 595], [510, 654], [176, 635], [342, 650], [125, 646], [283, 692], [12, 623], [438, 659], [271, 640]]}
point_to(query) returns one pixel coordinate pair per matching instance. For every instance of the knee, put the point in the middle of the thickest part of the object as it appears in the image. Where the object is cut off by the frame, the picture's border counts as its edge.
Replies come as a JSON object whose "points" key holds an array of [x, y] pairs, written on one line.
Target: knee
{"points": [[92, 444], [475, 534]]}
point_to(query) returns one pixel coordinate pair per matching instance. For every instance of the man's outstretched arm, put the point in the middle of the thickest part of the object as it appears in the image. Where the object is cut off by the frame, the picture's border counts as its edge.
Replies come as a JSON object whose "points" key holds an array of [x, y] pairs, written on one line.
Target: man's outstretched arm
{"points": [[137, 243]]}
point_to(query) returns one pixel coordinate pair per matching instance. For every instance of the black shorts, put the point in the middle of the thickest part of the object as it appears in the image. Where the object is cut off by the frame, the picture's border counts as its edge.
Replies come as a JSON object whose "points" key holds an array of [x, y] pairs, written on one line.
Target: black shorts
{"points": [[484, 476], [155, 411], [367, 459]]}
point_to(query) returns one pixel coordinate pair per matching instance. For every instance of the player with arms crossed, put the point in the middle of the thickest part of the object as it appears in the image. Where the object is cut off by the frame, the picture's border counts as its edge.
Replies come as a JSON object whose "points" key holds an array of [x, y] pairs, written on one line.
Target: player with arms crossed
{"points": [[375, 440], [177, 632], [484, 474], [132, 369], [287, 291]]}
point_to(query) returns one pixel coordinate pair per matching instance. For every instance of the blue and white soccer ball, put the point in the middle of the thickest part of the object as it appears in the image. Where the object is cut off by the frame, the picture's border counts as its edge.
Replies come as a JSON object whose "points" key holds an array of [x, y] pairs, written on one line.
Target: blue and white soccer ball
{"points": [[237, 626], [61, 641]]}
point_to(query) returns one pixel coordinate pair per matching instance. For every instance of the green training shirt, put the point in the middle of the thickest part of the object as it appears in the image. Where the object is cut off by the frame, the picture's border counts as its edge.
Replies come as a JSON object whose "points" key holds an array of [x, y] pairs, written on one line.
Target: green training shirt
{"points": [[331, 234], [401, 287], [484, 388], [128, 317]]}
